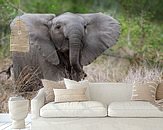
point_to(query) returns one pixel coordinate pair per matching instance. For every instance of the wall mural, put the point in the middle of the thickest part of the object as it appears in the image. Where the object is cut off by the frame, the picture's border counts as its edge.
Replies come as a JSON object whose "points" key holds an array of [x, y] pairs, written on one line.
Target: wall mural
{"points": [[59, 46]]}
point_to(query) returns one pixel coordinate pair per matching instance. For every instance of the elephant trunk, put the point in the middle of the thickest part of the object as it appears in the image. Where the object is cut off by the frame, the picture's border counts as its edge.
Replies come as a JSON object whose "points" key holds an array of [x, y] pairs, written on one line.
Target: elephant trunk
{"points": [[74, 52], [75, 44]]}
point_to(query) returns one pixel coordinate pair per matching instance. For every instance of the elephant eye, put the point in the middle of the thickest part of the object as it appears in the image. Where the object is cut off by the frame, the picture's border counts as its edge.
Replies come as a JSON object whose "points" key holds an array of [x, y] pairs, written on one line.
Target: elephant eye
{"points": [[58, 26], [85, 26]]}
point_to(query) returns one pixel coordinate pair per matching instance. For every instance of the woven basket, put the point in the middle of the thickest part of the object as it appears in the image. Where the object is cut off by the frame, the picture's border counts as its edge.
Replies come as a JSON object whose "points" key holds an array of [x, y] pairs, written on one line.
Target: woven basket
{"points": [[19, 39]]}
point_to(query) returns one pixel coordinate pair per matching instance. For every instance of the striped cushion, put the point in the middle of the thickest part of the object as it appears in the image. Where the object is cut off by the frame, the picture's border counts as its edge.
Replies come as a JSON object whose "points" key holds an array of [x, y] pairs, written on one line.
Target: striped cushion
{"points": [[144, 91], [159, 93], [70, 95]]}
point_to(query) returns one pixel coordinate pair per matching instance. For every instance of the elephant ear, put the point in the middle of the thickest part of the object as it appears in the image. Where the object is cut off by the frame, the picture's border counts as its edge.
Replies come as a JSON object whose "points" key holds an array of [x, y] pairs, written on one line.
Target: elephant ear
{"points": [[102, 32], [37, 25]]}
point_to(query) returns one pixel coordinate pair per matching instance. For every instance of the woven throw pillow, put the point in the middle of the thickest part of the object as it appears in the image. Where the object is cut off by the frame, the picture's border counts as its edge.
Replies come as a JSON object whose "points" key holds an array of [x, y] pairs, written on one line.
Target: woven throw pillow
{"points": [[70, 95], [71, 84], [159, 93], [144, 91], [48, 88]]}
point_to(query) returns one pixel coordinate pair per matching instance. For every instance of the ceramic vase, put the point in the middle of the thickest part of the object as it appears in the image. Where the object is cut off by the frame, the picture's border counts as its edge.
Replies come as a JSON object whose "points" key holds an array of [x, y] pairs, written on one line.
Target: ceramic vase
{"points": [[18, 111]]}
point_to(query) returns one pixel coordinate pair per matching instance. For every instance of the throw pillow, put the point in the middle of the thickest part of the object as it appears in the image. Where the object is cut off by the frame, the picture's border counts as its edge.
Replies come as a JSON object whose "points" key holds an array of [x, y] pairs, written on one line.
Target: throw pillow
{"points": [[144, 91], [159, 93], [48, 88], [70, 95], [71, 84]]}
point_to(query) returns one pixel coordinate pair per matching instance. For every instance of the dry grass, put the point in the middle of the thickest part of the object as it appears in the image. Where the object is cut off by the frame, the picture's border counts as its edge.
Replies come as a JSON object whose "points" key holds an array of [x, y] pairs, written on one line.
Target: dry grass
{"points": [[107, 69], [28, 82], [120, 70], [6, 91], [143, 74]]}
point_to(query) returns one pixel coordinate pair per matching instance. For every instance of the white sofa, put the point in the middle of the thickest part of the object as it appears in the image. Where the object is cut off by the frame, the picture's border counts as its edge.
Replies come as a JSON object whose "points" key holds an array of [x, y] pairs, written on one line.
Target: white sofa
{"points": [[121, 113]]}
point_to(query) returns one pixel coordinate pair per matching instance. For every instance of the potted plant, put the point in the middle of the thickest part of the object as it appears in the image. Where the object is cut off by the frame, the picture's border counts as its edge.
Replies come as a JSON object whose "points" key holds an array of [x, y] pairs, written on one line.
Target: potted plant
{"points": [[25, 87]]}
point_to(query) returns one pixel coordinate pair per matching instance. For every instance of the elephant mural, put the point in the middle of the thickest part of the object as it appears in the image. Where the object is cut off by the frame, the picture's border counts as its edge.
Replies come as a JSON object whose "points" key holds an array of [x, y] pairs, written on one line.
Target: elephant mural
{"points": [[61, 45]]}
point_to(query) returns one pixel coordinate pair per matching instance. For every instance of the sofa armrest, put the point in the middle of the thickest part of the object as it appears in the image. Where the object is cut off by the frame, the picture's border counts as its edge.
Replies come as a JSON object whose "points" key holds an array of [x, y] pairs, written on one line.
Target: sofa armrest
{"points": [[36, 103]]}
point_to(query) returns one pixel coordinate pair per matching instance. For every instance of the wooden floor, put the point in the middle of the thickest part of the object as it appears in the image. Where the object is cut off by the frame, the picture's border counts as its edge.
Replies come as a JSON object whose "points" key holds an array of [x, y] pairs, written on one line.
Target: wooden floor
{"points": [[8, 126]]}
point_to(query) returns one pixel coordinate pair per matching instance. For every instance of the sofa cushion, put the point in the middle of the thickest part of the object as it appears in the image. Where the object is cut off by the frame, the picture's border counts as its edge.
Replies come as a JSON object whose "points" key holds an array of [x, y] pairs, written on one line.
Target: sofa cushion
{"points": [[74, 109], [71, 84], [144, 91], [159, 93], [49, 85], [70, 95], [133, 109]]}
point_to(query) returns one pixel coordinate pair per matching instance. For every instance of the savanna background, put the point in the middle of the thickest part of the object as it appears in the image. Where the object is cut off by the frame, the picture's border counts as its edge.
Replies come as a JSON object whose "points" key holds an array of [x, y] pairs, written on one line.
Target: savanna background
{"points": [[138, 54]]}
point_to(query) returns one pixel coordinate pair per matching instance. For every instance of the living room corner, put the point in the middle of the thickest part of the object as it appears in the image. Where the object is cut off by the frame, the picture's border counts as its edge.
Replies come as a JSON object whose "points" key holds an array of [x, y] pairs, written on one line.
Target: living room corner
{"points": [[81, 65]]}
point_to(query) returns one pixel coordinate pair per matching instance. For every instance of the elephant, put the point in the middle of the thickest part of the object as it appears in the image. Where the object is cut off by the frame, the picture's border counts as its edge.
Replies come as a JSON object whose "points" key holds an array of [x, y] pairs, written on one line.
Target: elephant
{"points": [[61, 45]]}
